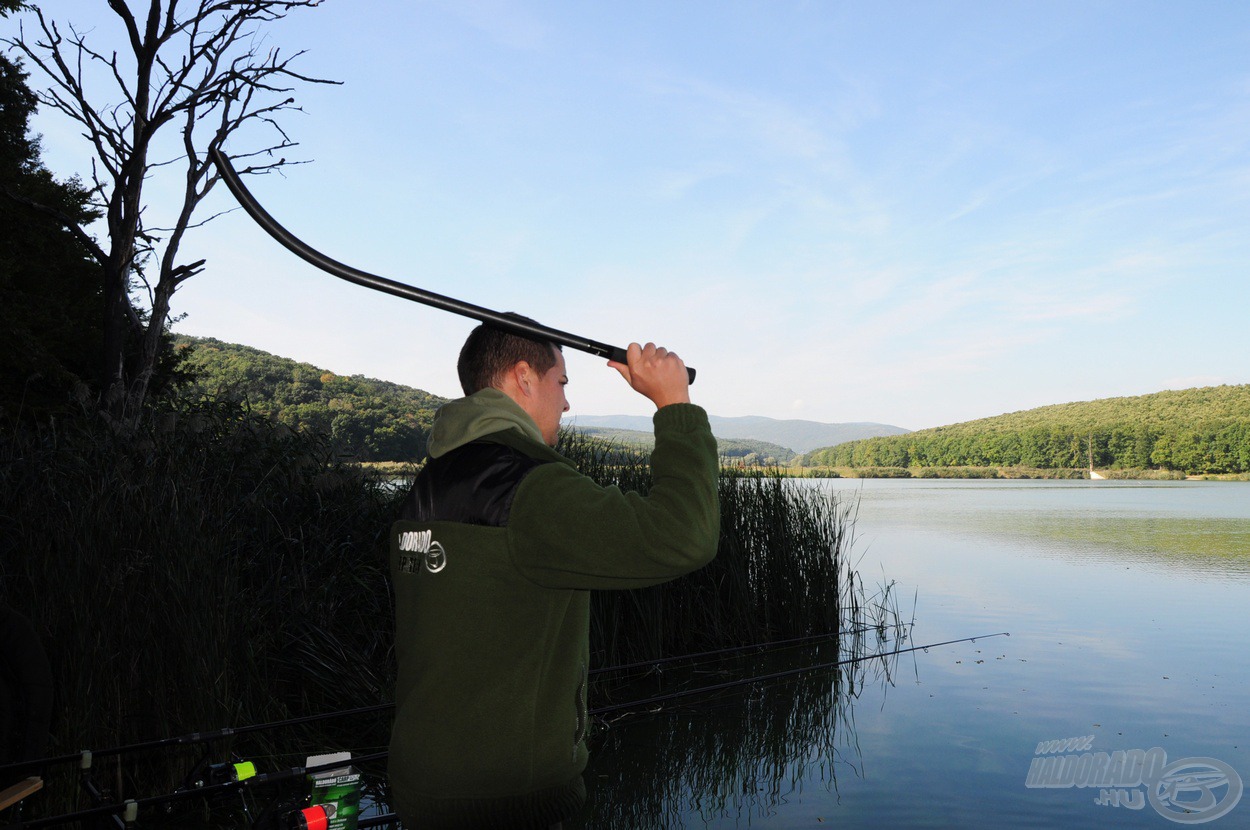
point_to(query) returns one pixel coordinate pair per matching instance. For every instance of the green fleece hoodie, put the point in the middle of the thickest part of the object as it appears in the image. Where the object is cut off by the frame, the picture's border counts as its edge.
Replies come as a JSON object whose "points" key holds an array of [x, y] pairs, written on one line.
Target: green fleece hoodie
{"points": [[492, 622]]}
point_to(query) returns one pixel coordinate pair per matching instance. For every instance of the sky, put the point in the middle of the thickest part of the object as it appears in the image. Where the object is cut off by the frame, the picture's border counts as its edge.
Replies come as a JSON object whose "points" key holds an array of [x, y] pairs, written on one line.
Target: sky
{"points": [[913, 213]]}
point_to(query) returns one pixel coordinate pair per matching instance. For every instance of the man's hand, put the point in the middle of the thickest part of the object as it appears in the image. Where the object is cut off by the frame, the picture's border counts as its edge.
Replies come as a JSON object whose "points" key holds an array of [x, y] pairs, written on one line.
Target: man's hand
{"points": [[656, 373]]}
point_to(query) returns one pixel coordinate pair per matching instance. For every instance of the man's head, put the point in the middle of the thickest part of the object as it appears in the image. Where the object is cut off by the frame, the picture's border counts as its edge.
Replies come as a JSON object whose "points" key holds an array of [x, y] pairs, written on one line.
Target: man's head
{"points": [[528, 370]]}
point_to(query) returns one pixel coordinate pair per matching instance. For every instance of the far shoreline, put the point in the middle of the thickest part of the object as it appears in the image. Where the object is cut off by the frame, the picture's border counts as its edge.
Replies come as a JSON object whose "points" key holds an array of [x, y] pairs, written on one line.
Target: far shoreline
{"points": [[1005, 473], [399, 469]]}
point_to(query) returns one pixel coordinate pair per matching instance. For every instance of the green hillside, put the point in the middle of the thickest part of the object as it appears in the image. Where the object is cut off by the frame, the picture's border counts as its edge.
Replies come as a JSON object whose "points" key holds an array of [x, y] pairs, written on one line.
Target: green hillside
{"points": [[736, 450], [1203, 430], [369, 420], [797, 435]]}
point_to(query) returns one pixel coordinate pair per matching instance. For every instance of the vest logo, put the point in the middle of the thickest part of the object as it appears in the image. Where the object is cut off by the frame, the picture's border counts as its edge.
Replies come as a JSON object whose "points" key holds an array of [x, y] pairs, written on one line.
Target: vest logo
{"points": [[418, 549]]}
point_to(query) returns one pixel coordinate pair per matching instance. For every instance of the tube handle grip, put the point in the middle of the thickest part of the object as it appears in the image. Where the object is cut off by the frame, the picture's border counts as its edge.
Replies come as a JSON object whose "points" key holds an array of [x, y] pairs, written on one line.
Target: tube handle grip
{"points": [[617, 354]]}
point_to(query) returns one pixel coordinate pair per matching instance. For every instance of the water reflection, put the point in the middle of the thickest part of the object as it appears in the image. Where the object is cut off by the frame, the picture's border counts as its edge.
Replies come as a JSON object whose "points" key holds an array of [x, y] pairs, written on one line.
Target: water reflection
{"points": [[740, 751], [1193, 529], [1195, 546]]}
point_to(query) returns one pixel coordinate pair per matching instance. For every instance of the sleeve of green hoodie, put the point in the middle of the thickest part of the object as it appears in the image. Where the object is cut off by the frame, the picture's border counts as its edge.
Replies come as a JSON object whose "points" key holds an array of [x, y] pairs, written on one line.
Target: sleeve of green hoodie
{"points": [[565, 531]]}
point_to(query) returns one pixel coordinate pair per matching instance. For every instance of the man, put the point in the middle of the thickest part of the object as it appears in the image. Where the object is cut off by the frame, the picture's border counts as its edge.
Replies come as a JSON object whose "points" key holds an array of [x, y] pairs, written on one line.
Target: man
{"points": [[497, 548]]}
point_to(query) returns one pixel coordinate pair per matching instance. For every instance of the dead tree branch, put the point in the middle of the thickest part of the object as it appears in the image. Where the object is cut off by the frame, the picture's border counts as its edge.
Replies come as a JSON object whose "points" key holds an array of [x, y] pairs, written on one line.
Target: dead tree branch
{"points": [[197, 67]]}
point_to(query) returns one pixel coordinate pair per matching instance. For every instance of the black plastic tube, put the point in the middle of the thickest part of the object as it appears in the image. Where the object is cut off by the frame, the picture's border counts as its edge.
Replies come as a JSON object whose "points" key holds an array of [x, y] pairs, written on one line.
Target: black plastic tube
{"points": [[399, 289]]}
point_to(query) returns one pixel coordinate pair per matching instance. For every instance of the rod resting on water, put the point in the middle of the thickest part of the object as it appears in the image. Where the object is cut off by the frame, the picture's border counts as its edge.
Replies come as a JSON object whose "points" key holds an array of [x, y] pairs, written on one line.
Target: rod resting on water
{"points": [[399, 289], [769, 646], [759, 678]]}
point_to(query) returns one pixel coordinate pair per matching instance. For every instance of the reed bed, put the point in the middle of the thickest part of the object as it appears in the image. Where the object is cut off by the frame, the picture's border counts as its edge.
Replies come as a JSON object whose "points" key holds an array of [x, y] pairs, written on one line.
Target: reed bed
{"points": [[210, 571], [217, 570]]}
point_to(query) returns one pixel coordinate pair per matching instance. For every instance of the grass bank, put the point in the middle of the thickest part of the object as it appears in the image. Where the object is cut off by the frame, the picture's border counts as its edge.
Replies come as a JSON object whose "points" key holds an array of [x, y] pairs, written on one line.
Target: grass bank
{"points": [[994, 473], [1219, 477]]}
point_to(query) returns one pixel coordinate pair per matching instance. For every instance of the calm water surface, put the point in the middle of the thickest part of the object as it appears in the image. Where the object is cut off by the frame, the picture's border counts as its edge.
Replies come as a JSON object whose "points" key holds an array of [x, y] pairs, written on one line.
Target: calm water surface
{"points": [[1128, 606]]}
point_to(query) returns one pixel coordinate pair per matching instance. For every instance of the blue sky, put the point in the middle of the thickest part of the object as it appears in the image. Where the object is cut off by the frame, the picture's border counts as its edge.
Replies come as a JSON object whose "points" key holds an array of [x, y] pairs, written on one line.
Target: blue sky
{"points": [[912, 213]]}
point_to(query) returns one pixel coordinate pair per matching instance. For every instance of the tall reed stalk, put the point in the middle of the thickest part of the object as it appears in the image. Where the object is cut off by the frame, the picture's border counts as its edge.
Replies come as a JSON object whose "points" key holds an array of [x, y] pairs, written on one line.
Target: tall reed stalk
{"points": [[781, 568]]}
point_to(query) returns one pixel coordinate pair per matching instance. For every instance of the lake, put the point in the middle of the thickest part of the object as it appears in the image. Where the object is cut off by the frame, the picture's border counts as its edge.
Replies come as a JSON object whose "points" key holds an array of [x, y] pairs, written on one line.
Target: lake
{"points": [[1119, 698]]}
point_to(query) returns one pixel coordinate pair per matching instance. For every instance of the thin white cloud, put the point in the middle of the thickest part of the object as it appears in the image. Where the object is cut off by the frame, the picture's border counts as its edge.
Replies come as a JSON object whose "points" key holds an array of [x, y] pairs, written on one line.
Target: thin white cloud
{"points": [[508, 23], [677, 184]]}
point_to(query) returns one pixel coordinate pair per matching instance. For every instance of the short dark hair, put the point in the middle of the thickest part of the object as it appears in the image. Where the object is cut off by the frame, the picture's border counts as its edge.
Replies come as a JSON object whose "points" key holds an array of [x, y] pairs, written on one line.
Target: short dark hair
{"points": [[489, 351]]}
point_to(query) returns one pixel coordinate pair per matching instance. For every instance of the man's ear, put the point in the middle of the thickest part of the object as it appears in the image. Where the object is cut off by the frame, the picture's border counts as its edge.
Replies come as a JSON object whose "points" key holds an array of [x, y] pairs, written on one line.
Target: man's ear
{"points": [[523, 376]]}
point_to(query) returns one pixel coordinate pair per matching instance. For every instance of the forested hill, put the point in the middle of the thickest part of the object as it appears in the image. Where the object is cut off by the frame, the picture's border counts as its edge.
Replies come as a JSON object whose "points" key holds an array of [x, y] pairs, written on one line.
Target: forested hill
{"points": [[799, 436], [1189, 430], [370, 420]]}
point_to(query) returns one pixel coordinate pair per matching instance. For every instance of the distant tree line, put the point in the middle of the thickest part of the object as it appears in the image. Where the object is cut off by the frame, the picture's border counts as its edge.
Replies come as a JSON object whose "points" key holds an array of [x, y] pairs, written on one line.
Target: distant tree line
{"points": [[1194, 431], [732, 451], [752, 453], [368, 420]]}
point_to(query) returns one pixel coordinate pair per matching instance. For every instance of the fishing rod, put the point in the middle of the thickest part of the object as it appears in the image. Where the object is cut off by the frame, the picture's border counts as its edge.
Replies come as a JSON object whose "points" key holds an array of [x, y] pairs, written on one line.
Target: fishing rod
{"points": [[87, 757], [131, 807], [729, 684], [301, 249], [776, 644]]}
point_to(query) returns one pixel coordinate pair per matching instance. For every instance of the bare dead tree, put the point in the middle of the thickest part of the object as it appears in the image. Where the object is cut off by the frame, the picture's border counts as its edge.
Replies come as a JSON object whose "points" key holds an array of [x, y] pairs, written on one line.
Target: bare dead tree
{"points": [[201, 68]]}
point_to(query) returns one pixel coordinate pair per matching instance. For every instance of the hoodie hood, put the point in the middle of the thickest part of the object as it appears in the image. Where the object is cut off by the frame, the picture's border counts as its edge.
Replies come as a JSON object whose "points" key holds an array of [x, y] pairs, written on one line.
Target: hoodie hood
{"points": [[483, 413]]}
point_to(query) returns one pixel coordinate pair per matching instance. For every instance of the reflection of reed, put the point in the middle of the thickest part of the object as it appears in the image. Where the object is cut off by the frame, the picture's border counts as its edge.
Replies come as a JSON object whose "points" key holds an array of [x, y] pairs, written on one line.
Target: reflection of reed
{"points": [[782, 571], [738, 752]]}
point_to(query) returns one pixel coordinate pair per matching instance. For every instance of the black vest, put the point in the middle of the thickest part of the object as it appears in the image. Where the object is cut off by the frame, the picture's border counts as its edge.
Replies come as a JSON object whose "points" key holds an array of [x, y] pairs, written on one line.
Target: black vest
{"points": [[474, 484]]}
